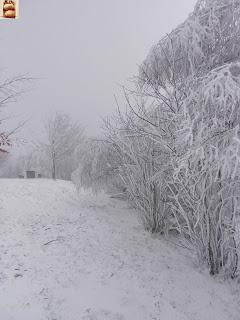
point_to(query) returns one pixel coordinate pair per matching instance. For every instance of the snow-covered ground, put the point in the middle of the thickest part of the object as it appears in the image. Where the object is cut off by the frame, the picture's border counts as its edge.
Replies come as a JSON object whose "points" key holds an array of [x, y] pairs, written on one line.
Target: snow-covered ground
{"points": [[70, 257]]}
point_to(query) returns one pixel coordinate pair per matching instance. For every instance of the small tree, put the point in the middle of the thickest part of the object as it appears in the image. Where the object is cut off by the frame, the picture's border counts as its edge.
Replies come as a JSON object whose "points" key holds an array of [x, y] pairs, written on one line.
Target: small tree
{"points": [[63, 137]]}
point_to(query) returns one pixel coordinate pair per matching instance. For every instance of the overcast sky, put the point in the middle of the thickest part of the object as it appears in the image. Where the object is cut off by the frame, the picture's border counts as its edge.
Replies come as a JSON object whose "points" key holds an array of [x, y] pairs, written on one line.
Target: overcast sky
{"points": [[81, 50]]}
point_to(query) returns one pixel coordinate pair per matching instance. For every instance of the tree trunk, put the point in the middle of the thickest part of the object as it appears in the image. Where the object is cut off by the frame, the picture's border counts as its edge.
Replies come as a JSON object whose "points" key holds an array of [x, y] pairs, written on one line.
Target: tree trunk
{"points": [[53, 169]]}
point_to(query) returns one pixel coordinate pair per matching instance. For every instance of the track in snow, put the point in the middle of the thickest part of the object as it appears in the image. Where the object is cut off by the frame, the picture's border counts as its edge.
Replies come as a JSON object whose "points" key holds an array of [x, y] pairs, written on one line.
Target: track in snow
{"points": [[70, 257]]}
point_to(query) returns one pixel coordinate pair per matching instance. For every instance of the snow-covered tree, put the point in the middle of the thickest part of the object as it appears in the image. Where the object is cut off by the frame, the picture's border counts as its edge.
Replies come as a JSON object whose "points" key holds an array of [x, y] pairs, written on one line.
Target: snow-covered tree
{"points": [[178, 142], [62, 139], [194, 74]]}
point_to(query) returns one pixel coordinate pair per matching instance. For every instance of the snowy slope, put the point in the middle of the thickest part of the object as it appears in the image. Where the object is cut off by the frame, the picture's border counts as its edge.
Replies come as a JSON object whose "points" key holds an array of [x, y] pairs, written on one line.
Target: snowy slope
{"points": [[65, 257]]}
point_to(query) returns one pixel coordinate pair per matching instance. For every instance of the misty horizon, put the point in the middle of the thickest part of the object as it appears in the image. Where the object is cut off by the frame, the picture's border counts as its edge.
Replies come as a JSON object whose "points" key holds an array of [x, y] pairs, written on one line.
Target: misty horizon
{"points": [[80, 59]]}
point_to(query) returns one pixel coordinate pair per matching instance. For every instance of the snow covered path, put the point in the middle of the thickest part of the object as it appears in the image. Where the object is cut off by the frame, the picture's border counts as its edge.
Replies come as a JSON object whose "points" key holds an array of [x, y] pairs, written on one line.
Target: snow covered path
{"points": [[68, 258]]}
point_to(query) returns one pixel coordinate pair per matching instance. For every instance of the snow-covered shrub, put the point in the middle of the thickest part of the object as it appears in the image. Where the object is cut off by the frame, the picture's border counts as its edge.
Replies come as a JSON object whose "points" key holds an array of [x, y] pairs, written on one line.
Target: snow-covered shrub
{"points": [[208, 174], [141, 158], [177, 145], [193, 75], [97, 167]]}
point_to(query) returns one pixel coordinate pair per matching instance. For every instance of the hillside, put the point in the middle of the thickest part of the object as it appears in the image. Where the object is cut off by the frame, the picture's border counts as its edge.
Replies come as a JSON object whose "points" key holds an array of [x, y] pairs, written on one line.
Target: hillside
{"points": [[66, 256]]}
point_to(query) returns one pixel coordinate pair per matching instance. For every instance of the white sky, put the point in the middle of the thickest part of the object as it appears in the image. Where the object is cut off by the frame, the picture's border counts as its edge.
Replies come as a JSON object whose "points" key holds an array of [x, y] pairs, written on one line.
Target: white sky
{"points": [[81, 50]]}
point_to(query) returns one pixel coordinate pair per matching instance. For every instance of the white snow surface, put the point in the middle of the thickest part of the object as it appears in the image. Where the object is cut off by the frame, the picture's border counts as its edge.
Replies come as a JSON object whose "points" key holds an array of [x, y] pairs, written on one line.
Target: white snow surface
{"points": [[65, 256]]}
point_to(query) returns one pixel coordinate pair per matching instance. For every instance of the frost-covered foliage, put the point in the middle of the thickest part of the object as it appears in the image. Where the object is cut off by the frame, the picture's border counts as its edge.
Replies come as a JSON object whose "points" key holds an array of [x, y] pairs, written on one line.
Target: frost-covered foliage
{"points": [[207, 174], [178, 143], [207, 39], [193, 74], [97, 167], [140, 159]]}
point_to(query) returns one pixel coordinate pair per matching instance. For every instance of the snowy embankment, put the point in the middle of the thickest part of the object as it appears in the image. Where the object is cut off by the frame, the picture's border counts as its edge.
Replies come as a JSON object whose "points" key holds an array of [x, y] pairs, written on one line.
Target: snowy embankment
{"points": [[65, 257]]}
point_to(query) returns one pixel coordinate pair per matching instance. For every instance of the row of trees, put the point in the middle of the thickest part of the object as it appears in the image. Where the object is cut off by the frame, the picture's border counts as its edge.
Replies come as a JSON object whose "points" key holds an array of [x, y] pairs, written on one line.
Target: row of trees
{"points": [[56, 156], [175, 152]]}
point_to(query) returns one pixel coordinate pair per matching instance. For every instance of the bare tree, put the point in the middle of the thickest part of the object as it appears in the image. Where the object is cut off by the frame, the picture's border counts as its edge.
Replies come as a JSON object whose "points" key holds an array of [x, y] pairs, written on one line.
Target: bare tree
{"points": [[63, 137], [10, 90]]}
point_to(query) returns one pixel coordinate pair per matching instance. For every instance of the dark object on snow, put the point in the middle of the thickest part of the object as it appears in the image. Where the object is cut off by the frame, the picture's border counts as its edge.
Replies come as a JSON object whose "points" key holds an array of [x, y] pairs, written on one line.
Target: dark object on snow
{"points": [[30, 174]]}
